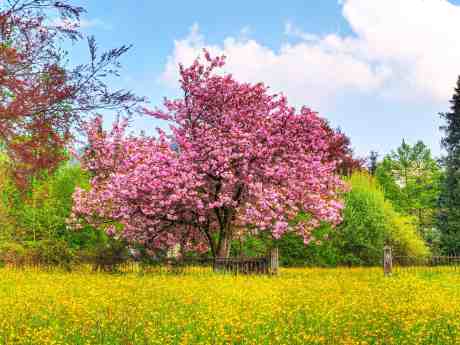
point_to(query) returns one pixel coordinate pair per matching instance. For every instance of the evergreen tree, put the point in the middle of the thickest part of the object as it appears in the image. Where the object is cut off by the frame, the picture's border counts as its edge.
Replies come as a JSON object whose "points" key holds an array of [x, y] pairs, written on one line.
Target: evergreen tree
{"points": [[372, 167], [449, 202]]}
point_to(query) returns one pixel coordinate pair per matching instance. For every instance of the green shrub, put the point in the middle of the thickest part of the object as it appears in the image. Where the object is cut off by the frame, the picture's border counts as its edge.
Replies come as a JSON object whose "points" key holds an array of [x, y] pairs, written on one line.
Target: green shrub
{"points": [[403, 235], [40, 213], [369, 222], [106, 256], [251, 246], [8, 224], [293, 251], [12, 254], [362, 234], [52, 253]]}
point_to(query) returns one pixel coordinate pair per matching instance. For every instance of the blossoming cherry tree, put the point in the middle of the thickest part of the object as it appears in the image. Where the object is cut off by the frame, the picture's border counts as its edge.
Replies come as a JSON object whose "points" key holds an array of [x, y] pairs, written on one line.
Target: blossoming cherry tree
{"points": [[237, 159]]}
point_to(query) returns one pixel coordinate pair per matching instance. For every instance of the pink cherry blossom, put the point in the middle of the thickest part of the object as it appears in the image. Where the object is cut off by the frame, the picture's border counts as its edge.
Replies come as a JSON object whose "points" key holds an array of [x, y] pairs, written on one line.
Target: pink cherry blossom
{"points": [[237, 159]]}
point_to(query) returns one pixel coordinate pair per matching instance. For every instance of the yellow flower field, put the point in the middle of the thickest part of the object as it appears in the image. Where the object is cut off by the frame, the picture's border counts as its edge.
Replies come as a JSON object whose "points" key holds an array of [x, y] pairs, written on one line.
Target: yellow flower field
{"points": [[299, 306]]}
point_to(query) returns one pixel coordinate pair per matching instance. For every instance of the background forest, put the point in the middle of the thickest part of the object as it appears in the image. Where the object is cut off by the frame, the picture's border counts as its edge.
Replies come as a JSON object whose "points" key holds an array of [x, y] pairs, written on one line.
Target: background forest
{"points": [[396, 202]]}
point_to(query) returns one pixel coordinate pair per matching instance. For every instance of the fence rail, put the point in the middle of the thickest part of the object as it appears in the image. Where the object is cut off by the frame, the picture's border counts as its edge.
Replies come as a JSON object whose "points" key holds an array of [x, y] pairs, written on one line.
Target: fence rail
{"points": [[268, 264], [406, 264], [259, 265], [433, 261]]}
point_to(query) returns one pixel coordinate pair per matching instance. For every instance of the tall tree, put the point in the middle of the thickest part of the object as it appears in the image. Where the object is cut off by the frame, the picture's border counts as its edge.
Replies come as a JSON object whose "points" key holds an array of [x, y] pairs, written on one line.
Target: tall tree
{"points": [[42, 99], [449, 202], [372, 165], [410, 178], [244, 160]]}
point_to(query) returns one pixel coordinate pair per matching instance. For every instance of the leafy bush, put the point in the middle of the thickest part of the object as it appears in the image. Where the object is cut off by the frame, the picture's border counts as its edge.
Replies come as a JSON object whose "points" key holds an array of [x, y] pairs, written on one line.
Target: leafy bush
{"points": [[52, 253], [107, 255], [362, 234], [403, 235], [7, 189], [48, 253], [251, 246], [41, 212], [12, 253], [369, 222], [49, 203]]}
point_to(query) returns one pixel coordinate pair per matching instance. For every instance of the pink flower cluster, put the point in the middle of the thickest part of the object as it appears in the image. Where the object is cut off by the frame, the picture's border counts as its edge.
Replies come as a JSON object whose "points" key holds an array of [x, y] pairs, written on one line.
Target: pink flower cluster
{"points": [[237, 158]]}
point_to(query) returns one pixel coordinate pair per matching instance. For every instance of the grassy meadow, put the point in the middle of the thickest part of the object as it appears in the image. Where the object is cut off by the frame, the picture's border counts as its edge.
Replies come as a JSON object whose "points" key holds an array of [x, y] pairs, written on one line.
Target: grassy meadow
{"points": [[299, 306]]}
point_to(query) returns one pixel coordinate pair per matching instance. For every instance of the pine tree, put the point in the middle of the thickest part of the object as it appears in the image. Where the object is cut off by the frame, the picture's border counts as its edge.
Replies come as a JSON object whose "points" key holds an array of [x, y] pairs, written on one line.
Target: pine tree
{"points": [[449, 202], [372, 166]]}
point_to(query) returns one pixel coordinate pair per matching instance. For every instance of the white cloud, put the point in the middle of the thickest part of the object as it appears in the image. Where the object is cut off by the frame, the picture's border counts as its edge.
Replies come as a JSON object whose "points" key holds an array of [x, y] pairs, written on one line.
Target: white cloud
{"points": [[95, 22], [291, 29], [307, 72], [417, 38], [400, 48]]}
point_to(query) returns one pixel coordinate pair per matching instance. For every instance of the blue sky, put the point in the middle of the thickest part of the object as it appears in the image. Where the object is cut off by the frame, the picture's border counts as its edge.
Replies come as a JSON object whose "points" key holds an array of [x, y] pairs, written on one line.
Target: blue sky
{"points": [[379, 69]]}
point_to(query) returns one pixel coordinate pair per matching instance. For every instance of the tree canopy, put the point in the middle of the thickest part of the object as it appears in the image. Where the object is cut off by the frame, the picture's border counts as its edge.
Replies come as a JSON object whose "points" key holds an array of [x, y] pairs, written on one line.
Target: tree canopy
{"points": [[410, 178], [449, 206], [238, 159], [42, 99]]}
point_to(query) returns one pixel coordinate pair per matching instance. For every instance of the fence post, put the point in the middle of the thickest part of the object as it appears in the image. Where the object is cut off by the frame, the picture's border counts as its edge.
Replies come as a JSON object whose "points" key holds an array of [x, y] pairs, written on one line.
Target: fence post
{"points": [[387, 261], [274, 261]]}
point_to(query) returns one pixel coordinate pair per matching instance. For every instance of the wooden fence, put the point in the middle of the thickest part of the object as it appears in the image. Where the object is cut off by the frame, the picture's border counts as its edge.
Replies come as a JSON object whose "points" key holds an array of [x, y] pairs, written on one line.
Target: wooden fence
{"points": [[262, 265], [268, 264], [407, 264]]}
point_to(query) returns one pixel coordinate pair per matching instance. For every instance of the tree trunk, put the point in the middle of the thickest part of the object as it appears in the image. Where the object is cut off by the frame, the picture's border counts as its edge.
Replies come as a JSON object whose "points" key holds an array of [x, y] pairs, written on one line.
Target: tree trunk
{"points": [[225, 242]]}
